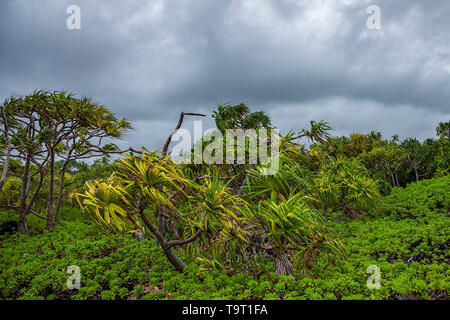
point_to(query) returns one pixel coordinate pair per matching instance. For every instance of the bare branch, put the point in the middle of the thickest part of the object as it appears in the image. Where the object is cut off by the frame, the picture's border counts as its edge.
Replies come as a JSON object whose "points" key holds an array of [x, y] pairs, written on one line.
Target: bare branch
{"points": [[180, 122]]}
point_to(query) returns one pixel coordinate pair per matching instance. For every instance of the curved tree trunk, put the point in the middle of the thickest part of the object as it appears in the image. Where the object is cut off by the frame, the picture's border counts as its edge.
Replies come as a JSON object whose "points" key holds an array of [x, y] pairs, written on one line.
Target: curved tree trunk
{"points": [[35, 193], [172, 257], [61, 186], [174, 260]]}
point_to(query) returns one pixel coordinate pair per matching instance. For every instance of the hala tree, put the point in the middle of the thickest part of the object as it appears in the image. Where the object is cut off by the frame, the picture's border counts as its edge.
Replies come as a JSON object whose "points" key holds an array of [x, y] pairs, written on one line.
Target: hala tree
{"points": [[443, 130], [130, 199], [207, 219], [23, 137], [396, 162], [288, 224], [46, 126], [205, 215], [344, 184], [239, 117], [417, 154]]}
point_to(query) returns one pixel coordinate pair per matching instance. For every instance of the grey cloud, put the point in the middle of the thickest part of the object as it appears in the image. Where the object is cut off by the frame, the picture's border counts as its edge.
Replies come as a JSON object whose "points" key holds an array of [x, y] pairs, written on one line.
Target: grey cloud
{"points": [[150, 60]]}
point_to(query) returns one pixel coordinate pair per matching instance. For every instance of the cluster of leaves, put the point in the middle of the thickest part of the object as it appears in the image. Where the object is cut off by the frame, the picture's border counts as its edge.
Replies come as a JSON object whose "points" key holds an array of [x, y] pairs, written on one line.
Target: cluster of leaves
{"points": [[239, 116], [344, 182], [134, 196]]}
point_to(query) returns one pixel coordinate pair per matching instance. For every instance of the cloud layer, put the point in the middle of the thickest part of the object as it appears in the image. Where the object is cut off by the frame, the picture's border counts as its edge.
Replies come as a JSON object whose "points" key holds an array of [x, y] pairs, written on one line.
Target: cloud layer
{"points": [[297, 60]]}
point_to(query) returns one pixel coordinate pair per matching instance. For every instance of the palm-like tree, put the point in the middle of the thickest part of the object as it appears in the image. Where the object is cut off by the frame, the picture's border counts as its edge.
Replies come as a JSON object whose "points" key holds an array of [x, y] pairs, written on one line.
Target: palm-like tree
{"points": [[342, 183], [290, 224], [145, 183]]}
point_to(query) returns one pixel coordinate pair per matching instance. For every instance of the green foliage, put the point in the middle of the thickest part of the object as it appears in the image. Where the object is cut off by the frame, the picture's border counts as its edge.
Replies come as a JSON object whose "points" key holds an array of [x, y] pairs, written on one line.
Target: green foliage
{"points": [[344, 182], [418, 199], [111, 203], [221, 230], [144, 183], [292, 222], [9, 195], [48, 131], [409, 249], [239, 117], [392, 161]]}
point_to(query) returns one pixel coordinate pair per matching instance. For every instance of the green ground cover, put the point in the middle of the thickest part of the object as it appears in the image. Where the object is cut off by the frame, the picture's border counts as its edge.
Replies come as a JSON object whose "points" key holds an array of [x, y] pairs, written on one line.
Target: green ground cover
{"points": [[407, 237]]}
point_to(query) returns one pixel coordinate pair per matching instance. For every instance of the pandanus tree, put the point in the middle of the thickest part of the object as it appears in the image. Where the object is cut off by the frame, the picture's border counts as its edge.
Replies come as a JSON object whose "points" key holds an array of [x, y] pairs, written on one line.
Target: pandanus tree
{"points": [[130, 200], [208, 221], [286, 219], [239, 117], [121, 203], [41, 128], [206, 215], [442, 147], [443, 130], [290, 224], [344, 184], [247, 123]]}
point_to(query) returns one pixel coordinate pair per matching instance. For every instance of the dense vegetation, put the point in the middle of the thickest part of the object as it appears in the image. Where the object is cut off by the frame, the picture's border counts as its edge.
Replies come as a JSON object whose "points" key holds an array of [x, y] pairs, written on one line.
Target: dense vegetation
{"points": [[147, 227], [407, 239]]}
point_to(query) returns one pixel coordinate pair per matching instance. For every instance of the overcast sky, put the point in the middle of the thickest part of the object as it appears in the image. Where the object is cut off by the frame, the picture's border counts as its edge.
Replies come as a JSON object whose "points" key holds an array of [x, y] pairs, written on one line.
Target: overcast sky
{"points": [[297, 60]]}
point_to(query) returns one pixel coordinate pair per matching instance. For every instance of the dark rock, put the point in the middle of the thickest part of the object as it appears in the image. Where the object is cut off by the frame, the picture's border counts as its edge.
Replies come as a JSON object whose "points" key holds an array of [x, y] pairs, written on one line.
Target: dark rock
{"points": [[9, 227], [415, 244], [438, 294], [398, 296]]}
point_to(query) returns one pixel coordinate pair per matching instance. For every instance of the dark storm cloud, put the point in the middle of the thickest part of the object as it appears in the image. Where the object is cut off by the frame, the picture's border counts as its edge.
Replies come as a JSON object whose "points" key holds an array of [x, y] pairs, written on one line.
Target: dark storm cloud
{"points": [[298, 60], [278, 58]]}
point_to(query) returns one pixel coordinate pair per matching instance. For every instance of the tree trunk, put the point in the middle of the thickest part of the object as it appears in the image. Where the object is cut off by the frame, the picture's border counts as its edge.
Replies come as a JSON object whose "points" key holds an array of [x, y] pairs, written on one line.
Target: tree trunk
{"points": [[35, 193], [5, 167], [161, 216], [22, 227], [174, 260], [172, 257], [8, 150], [282, 264], [51, 190], [60, 194]]}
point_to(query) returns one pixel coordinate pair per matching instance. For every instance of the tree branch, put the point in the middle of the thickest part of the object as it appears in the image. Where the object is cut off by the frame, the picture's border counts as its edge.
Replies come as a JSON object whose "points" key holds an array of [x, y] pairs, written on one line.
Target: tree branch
{"points": [[180, 122]]}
